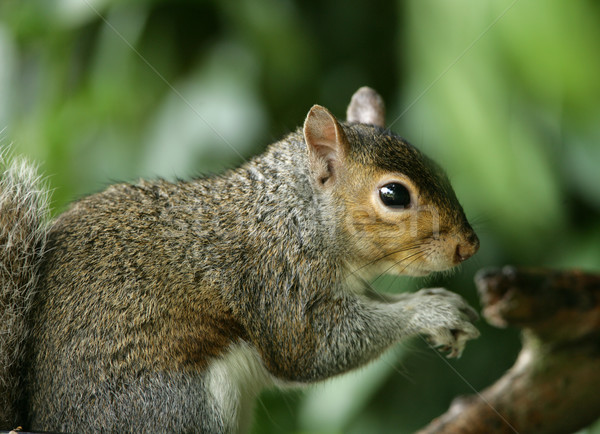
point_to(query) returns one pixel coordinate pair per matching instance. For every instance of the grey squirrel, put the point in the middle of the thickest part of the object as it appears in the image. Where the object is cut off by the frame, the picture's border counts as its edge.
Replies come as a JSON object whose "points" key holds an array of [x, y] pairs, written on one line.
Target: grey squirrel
{"points": [[170, 306]]}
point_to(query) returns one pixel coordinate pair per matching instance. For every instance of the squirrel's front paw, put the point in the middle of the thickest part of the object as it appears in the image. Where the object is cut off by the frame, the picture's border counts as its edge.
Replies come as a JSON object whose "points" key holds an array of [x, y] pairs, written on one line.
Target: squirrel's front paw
{"points": [[444, 318]]}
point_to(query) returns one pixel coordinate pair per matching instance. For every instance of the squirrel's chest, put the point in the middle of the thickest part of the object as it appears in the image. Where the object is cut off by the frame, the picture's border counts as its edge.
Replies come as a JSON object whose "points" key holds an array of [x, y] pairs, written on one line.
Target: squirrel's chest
{"points": [[234, 381]]}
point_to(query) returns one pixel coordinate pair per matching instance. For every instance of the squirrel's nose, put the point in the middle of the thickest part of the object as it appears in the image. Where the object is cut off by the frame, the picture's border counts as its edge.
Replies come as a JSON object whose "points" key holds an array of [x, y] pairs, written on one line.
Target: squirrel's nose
{"points": [[466, 248]]}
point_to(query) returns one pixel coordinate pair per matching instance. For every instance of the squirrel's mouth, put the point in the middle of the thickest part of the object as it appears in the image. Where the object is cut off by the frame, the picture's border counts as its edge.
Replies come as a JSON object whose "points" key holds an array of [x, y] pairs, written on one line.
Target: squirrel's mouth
{"points": [[421, 272], [421, 268], [413, 270], [418, 272]]}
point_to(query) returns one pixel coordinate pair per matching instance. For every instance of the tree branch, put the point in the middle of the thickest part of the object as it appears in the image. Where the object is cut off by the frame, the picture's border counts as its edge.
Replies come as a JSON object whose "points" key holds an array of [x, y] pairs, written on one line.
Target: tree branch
{"points": [[553, 386]]}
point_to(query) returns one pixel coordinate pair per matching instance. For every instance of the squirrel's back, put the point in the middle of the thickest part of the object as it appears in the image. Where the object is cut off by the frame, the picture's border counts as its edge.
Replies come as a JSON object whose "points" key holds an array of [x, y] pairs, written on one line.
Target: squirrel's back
{"points": [[23, 222], [169, 306]]}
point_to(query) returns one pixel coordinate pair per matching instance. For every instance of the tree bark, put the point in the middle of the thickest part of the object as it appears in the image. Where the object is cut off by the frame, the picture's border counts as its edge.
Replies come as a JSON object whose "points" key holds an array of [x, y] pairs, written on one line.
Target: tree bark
{"points": [[554, 386]]}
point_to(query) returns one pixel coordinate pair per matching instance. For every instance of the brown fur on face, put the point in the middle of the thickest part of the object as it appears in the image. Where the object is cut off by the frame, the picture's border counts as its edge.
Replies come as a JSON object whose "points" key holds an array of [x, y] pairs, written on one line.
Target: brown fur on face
{"points": [[414, 241]]}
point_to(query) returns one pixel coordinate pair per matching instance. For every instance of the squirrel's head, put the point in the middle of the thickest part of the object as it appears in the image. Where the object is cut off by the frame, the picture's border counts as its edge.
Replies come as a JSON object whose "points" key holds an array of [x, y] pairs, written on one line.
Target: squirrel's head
{"points": [[401, 213]]}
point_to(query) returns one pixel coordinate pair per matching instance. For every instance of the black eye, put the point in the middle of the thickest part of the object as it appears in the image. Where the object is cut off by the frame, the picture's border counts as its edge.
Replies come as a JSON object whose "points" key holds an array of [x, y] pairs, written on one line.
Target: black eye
{"points": [[395, 195]]}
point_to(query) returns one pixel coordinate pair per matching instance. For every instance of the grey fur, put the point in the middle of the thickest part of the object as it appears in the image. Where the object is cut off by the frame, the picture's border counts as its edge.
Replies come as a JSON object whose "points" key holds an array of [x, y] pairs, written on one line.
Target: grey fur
{"points": [[23, 222], [366, 107], [153, 295]]}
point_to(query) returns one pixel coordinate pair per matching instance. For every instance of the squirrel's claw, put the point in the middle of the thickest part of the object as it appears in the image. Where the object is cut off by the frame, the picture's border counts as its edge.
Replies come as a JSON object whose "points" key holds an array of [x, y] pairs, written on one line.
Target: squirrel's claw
{"points": [[446, 321]]}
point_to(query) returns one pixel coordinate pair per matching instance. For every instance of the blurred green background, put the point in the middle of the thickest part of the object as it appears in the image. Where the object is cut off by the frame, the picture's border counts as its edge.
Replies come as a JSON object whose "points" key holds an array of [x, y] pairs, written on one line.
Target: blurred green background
{"points": [[505, 95]]}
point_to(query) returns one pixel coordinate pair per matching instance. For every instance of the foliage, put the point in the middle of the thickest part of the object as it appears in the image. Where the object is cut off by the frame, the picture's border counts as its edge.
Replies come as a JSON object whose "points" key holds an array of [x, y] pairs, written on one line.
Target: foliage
{"points": [[505, 95]]}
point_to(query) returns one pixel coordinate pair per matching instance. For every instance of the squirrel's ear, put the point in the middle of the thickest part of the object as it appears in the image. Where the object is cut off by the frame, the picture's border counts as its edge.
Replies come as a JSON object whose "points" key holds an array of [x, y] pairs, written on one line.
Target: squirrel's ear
{"points": [[366, 107], [326, 142]]}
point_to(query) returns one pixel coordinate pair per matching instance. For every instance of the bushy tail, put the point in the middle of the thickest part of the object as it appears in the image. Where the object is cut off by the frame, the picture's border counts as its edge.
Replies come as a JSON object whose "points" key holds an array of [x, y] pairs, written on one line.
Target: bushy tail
{"points": [[23, 227]]}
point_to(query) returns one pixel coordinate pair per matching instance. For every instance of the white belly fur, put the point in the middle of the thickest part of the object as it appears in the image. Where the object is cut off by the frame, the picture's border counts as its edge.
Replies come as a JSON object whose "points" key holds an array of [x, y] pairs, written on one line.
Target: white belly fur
{"points": [[235, 380]]}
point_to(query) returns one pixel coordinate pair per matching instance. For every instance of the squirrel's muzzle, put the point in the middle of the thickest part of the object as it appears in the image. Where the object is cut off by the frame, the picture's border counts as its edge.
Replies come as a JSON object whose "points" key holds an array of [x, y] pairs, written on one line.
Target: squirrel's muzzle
{"points": [[466, 247]]}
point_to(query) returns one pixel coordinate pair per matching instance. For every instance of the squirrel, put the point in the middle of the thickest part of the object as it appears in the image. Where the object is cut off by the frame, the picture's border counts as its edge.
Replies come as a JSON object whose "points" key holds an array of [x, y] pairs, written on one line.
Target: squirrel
{"points": [[171, 305]]}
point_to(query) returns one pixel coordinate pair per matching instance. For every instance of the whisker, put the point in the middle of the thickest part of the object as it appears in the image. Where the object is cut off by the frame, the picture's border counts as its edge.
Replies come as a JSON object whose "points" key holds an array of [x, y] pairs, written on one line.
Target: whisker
{"points": [[391, 284], [403, 249], [414, 260], [398, 262]]}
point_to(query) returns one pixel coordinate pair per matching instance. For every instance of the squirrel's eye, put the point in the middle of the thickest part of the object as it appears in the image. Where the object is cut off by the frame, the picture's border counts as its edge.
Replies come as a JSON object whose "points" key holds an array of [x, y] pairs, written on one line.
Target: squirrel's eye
{"points": [[395, 195]]}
